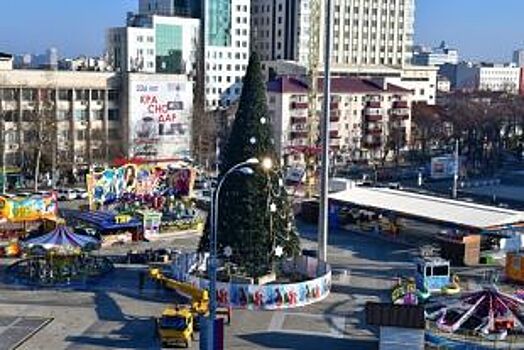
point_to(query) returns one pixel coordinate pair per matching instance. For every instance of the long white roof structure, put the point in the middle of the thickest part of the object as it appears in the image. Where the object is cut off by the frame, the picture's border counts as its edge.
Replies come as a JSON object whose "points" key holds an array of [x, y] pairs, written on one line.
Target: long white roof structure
{"points": [[431, 208]]}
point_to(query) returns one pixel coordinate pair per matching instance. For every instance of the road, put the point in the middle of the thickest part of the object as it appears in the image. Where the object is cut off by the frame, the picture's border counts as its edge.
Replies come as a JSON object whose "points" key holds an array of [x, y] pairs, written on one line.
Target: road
{"points": [[113, 315]]}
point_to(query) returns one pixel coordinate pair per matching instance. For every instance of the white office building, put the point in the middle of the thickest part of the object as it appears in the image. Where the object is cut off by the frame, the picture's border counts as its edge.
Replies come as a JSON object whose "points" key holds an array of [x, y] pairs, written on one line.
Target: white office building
{"points": [[227, 50], [436, 56], [470, 76], [365, 33], [154, 44]]}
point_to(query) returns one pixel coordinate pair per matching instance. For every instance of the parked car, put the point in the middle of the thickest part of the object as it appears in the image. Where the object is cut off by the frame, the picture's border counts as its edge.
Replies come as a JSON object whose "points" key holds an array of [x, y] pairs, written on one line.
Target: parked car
{"points": [[42, 193], [81, 193], [24, 194], [66, 194]]}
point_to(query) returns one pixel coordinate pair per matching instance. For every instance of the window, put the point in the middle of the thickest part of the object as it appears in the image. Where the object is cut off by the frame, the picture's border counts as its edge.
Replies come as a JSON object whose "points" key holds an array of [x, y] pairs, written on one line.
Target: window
{"points": [[97, 95], [113, 95], [113, 134], [63, 115], [64, 95], [113, 115], [10, 116], [81, 135], [140, 38], [80, 115], [81, 95], [29, 94], [440, 270], [27, 116], [98, 114]]}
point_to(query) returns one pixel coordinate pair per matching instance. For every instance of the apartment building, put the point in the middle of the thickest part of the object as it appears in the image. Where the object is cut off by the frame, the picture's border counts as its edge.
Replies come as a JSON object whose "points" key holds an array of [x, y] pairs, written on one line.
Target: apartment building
{"points": [[366, 117]]}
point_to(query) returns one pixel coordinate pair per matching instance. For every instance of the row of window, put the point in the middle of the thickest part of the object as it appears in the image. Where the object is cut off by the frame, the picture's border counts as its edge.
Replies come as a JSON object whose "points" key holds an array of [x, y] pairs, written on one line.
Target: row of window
{"points": [[227, 67], [12, 94], [63, 115], [220, 79], [228, 55]]}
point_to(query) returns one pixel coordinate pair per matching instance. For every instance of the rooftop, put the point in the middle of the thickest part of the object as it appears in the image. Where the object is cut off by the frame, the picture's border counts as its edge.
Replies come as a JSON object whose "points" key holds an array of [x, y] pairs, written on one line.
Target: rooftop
{"points": [[434, 209], [290, 84]]}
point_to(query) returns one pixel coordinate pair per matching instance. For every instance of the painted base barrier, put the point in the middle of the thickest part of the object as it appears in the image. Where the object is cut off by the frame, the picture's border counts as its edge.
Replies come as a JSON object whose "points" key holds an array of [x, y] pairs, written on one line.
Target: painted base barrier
{"points": [[275, 296]]}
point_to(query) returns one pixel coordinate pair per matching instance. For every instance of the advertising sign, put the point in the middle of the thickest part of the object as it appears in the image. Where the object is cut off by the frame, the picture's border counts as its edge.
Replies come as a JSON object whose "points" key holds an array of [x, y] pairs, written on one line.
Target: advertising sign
{"points": [[111, 184], [28, 209], [159, 118]]}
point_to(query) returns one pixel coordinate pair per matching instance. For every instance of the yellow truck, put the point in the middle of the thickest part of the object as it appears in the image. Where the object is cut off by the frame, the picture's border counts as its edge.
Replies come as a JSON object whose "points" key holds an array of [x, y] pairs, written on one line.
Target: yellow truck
{"points": [[175, 326], [199, 299]]}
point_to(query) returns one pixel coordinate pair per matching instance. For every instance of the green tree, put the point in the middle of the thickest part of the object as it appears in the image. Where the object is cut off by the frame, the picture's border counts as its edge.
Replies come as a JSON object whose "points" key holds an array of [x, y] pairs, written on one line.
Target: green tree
{"points": [[255, 214]]}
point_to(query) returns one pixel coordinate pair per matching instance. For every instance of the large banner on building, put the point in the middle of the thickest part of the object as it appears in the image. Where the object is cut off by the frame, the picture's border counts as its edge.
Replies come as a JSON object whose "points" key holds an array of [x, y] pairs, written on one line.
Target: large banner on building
{"points": [[159, 117]]}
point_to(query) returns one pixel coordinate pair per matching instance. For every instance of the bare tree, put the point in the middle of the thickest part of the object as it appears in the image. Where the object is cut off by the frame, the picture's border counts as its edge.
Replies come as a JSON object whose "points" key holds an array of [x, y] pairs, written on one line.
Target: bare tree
{"points": [[42, 130]]}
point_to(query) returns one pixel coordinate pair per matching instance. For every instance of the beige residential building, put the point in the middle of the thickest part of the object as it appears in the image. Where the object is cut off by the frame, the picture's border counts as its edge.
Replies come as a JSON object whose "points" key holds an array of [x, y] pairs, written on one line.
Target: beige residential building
{"points": [[366, 115]]}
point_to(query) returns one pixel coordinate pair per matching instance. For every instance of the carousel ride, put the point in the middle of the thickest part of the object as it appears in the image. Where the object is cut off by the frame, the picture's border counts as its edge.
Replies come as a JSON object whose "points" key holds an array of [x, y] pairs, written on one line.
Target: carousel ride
{"points": [[488, 313], [60, 257]]}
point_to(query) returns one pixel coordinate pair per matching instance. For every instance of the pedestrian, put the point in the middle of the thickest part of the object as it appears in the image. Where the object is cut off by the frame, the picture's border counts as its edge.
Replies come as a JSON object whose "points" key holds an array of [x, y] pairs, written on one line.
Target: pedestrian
{"points": [[141, 280]]}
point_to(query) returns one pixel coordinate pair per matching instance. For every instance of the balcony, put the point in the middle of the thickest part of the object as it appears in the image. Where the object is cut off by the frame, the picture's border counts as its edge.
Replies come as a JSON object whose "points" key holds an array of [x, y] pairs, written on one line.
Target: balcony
{"points": [[373, 104], [372, 111], [400, 113], [400, 104], [297, 134], [373, 118], [334, 118], [299, 105], [298, 120], [374, 131], [334, 134]]}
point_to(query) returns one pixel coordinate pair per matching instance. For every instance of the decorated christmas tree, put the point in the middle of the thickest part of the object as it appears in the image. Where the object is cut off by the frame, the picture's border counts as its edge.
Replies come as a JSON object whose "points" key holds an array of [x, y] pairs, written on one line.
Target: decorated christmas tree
{"points": [[255, 215]]}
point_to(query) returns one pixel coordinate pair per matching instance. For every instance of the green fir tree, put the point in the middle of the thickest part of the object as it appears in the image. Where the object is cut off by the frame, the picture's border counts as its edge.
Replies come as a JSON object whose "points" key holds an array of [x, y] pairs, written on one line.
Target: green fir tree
{"points": [[255, 214]]}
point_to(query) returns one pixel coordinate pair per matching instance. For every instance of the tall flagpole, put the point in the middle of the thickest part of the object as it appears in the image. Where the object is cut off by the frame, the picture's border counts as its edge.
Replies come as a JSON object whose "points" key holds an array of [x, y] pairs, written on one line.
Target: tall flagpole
{"points": [[324, 175]]}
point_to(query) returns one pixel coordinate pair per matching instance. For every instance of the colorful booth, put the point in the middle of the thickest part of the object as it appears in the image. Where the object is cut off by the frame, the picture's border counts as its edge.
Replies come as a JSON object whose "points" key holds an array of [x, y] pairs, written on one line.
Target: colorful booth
{"points": [[433, 274]]}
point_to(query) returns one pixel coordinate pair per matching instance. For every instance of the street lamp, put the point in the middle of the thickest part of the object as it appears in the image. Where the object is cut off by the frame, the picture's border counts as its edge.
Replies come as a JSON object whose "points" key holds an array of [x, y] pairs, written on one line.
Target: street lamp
{"points": [[246, 170]]}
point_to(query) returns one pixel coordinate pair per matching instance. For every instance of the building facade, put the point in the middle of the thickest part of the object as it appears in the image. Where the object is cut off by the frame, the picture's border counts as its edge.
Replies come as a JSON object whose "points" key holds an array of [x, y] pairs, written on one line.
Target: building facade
{"points": [[469, 76], [227, 47], [436, 56], [518, 57], [79, 113], [365, 33], [367, 118], [154, 44], [93, 118]]}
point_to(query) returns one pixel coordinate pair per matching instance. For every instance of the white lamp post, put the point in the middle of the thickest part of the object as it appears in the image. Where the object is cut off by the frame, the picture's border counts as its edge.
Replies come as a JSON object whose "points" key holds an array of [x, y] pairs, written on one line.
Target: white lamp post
{"points": [[243, 166]]}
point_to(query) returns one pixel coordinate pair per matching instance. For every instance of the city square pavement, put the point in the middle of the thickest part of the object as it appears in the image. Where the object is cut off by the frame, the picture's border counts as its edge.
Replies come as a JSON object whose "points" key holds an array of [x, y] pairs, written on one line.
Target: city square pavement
{"points": [[113, 314]]}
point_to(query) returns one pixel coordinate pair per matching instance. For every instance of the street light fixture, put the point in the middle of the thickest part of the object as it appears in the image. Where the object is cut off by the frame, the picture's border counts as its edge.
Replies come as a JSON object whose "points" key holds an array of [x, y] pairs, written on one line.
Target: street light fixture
{"points": [[244, 168]]}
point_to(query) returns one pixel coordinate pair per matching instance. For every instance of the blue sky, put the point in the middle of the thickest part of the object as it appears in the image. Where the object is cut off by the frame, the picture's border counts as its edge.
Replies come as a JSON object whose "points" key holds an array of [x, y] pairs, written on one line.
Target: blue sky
{"points": [[481, 29]]}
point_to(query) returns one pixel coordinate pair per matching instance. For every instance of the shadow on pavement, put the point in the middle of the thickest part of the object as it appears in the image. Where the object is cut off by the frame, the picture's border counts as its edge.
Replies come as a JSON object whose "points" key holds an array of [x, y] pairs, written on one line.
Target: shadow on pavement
{"points": [[282, 340], [115, 329]]}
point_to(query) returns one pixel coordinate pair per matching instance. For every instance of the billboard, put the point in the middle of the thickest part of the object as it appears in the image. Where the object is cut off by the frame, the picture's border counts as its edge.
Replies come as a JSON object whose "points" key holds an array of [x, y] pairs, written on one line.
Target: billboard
{"points": [[28, 209], [111, 184], [159, 115]]}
